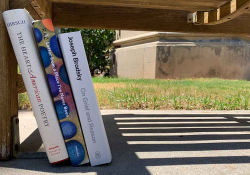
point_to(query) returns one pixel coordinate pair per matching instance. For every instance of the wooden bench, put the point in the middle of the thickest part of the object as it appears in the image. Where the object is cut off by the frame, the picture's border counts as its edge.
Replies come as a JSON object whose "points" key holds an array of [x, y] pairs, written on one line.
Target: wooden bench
{"points": [[205, 16]]}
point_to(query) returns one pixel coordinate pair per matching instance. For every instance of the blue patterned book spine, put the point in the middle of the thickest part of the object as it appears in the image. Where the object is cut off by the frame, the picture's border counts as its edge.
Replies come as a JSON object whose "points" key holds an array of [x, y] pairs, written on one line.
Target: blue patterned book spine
{"points": [[61, 91]]}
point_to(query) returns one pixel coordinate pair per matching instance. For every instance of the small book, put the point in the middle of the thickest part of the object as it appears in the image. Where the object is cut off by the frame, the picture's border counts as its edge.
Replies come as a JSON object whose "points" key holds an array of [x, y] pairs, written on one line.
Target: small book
{"points": [[19, 26], [61, 91], [83, 90]]}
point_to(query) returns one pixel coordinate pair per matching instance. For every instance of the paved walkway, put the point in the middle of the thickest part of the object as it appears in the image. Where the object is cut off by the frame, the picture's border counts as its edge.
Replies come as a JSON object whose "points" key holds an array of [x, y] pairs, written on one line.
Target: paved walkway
{"points": [[152, 142]]}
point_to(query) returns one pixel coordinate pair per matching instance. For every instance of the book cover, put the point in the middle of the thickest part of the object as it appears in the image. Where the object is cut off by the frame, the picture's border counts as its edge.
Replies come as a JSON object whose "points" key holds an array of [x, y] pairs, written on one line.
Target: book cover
{"points": [[61, 91], [83, 90], [19, 26]]}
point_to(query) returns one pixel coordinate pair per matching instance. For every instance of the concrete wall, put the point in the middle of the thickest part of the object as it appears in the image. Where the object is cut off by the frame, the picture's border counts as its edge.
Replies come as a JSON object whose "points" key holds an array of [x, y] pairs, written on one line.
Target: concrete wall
{"points": [[135, 62], [171, 55], [122, 34]]}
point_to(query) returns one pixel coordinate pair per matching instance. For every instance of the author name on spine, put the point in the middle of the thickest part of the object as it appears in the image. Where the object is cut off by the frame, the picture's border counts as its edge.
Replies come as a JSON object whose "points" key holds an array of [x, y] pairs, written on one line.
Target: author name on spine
{"points": [[83, 90]]}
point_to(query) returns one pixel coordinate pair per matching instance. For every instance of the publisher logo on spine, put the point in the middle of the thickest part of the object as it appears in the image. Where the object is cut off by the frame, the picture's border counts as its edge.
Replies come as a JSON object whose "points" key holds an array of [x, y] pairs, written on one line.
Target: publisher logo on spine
{"points": [[98, 155]]}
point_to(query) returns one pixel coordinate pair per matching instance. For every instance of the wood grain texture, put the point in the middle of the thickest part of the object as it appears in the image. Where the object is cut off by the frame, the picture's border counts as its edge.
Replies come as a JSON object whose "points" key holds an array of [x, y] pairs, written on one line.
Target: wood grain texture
{"points": [[8, 91], [38, 9], [146, 15], [130, 18], [14, 103], [16, 4], [225, 13], [42, 8], [20, 84], [187, 5]]}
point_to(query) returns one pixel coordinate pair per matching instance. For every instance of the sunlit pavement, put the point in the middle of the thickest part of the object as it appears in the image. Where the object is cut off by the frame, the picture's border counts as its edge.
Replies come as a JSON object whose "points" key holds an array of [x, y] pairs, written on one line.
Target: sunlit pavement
{"points": [[151, 142]]}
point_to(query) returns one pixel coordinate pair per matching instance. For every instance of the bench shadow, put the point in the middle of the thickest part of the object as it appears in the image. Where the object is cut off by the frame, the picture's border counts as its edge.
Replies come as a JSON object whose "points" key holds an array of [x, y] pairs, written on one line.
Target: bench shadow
{"points": [[138, 141], [32, 143]]}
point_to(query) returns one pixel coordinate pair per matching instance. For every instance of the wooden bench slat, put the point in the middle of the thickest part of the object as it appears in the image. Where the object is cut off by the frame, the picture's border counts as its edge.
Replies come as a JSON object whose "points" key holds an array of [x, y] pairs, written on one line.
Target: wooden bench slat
{"points": [[20, 84], [225, 13], [8, 91]]}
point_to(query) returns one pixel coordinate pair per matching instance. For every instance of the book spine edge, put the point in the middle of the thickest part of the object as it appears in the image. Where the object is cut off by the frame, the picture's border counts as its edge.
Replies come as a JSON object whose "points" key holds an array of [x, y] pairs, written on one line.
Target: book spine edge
{"points": [[87, 84], [72, 158], [62, 155]]}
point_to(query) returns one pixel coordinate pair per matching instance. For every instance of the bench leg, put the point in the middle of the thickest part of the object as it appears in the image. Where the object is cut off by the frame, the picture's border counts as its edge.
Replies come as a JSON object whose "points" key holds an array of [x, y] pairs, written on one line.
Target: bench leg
{"points": [[8, 89]]}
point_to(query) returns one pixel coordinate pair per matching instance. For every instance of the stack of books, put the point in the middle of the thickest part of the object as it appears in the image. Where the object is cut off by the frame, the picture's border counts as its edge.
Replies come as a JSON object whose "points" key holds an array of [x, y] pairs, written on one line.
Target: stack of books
{"points": [[59, 85]]}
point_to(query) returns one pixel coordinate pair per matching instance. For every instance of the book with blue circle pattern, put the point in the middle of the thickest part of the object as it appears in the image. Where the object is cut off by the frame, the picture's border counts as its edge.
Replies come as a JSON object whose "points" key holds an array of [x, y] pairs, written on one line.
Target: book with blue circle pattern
{"points": [[61, 91]]}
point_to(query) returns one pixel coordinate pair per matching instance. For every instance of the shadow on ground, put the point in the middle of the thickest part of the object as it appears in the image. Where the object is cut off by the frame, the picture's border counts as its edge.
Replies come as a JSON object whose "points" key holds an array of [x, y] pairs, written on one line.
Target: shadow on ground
{"points": [[139, 141]]}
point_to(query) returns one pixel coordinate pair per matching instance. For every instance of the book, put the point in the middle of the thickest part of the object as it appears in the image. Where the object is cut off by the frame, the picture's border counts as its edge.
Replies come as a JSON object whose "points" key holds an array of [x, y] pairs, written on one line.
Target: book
{"points": [[19, 26], [61, 91], [83, 90]]}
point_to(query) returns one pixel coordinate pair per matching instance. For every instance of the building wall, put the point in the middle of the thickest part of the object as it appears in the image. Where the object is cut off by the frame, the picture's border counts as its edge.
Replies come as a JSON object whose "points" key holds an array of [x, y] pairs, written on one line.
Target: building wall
{"points": [[122, 34], [171, 55], [135, 62], [221, 60]]}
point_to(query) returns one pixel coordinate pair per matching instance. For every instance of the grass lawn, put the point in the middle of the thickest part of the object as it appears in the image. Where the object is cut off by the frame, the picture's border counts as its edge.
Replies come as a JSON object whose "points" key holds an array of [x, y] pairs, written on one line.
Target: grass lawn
{"points": [[214, 94]]}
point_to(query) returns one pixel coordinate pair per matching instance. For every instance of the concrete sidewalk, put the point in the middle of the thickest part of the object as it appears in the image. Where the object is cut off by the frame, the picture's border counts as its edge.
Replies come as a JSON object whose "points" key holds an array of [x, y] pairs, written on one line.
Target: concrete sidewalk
{"points": [[152, 142]]}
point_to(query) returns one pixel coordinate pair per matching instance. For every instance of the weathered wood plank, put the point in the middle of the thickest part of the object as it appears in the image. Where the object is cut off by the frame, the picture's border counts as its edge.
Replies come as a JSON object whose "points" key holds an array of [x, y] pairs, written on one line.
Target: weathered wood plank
{"points": [[42, 8], [225, 13], [39, 9], [14, 102], [130, 18], [20, 84], [149, 15], [8, 93], [188, 5], [15, 4]]}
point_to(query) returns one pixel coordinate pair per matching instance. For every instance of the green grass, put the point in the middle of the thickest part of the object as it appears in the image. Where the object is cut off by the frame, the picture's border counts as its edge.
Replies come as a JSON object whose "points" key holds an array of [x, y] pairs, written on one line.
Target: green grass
{"points": [[186, 94], [23, 101], [209, 94]]}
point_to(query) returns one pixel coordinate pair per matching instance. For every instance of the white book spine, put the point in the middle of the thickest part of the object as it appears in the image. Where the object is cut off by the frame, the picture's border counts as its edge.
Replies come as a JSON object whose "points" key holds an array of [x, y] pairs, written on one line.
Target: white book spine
{"points": [[19, 26], [85, 98]]}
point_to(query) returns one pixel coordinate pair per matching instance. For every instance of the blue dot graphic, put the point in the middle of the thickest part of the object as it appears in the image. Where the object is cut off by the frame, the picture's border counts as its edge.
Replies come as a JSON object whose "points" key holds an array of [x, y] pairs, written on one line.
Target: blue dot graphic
{"points": [[69, 130], [38, 35], [55, 47], [45, 56], [76, 152], [62, 110], [63, 75], [53, 85]]}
